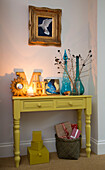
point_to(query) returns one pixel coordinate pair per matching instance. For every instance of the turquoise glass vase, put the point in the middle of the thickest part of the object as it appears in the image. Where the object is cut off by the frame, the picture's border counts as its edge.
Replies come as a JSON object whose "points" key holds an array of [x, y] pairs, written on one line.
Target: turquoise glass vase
{"points": [[78, 88], [66, 84]]}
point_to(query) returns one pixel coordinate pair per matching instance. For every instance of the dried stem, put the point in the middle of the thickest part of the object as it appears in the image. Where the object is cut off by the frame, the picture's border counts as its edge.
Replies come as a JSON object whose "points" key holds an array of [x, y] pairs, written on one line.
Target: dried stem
{"points": [[71, 73], [86, 70], [85, 75]]}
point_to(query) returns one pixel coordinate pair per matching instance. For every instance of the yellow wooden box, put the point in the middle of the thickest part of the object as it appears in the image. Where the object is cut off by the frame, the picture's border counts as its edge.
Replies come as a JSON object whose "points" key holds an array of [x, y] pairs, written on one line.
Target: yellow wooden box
{"points": [[38, 157], [36, 136], [37, 145]]}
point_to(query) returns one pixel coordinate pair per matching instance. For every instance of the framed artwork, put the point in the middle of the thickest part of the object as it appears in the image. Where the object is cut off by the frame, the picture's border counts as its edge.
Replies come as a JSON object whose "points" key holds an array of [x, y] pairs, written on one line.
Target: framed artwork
{"points": [[44, 26], [52, 86]]}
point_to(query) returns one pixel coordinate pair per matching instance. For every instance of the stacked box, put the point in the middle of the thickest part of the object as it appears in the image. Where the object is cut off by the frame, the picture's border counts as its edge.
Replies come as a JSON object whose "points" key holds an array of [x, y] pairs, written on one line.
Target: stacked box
{"points": [[36, 136], [37, 145], [38, 157], [37, 153]]}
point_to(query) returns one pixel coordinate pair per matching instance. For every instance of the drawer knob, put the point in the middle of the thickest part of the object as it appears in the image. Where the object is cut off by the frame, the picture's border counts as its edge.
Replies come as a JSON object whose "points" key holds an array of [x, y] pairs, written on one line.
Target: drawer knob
{"points": [[70, 103], [39, 105], [39, 154]]}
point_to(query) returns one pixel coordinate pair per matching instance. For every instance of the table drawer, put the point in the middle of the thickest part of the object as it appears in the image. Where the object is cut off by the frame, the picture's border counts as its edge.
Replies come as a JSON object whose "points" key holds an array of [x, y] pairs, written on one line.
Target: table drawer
{"points": [[38, 105], [70, 103]]}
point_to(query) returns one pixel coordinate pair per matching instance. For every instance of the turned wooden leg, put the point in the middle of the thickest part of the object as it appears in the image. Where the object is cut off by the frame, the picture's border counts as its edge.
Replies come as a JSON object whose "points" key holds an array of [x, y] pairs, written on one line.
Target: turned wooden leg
{"points": [[88, 126], [17, 141], [80, 122], [88, 132], [14, 141]]}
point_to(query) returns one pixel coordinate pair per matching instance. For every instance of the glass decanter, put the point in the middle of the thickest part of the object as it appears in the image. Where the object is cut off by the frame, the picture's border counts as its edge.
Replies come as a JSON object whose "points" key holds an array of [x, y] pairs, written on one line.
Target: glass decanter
{"points": [[66, 84], [78, 88]]}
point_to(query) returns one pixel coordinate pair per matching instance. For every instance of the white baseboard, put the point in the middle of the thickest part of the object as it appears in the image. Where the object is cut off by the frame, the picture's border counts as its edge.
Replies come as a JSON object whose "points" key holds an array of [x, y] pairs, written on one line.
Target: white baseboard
{"points": [[94, 144], [98, 147], [83, 142], [6, 149]]}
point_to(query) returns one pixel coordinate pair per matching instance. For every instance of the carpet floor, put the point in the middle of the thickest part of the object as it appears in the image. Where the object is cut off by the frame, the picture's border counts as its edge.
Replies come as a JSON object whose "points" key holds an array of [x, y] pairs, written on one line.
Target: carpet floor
{"points": [[95, 162]]}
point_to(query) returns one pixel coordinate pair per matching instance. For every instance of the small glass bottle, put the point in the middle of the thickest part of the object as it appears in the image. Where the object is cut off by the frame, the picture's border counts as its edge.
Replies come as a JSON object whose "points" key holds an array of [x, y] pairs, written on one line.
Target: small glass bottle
{"points": [[66, 84], [78, 88]]}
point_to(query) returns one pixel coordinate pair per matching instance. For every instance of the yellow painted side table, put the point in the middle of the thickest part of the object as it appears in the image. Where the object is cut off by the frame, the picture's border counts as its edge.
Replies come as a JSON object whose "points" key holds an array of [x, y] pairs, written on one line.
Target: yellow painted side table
{"points": [[48, 103]]}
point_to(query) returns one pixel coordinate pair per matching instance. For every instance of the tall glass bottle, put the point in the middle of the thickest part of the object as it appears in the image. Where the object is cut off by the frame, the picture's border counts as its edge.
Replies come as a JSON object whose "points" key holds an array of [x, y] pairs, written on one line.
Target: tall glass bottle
{"points": [[78, 88], [66, 84]]}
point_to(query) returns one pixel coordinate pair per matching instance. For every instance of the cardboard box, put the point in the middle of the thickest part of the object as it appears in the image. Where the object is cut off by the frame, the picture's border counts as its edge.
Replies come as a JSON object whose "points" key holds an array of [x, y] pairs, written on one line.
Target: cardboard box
{"points": [[60, 130]]}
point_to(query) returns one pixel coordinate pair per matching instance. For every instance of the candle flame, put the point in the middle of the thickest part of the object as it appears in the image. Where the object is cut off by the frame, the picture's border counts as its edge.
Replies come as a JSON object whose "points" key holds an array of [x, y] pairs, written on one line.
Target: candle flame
{"points": [[30, 90]]}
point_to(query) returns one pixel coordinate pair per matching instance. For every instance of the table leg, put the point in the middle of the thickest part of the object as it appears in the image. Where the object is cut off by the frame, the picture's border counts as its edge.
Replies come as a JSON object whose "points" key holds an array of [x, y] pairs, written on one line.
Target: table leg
{"points": [[88, 131], [88, 127], [17, 141], [80, 122]]}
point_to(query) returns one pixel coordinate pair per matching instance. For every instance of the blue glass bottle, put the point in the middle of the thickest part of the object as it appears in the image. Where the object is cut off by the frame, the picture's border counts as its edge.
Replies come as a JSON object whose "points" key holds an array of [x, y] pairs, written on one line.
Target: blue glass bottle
{"points": [[78, 88], [66, 84]]}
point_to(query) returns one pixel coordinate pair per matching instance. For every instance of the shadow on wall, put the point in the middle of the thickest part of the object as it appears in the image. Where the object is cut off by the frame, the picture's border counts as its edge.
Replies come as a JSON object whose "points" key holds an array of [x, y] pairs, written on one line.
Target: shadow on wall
{"points": [[6, 120], [92, 83], [92, 33]]}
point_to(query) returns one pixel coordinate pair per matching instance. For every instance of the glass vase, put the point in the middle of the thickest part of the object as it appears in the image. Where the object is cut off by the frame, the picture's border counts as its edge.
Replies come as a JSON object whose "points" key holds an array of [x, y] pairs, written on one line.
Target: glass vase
{"points": [[78, 88], [66, 84]]}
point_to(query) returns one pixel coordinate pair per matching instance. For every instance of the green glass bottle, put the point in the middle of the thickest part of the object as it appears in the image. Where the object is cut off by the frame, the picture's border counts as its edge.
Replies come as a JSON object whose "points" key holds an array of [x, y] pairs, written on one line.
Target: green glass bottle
{"points": [[78, 88], [66, 84]]}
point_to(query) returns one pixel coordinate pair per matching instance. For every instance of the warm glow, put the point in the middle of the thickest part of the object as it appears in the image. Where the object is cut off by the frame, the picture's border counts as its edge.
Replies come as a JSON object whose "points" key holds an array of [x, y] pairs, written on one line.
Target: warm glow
{"points": [[28, 74], [30, 91], [34, 88]]}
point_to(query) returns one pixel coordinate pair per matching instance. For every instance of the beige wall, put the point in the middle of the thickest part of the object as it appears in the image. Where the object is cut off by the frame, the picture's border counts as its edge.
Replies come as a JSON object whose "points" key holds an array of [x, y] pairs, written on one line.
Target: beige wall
{"points": [[15, 53]]}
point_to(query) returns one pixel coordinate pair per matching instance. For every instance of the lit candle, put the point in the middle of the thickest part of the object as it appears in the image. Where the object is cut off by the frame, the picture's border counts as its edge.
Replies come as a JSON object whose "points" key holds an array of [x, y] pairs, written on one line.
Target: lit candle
{"points": [[30, 91]]}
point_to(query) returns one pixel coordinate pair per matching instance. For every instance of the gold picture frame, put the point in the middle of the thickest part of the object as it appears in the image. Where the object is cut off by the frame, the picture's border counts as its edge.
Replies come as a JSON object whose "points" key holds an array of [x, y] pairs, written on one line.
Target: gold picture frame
{"points": [[44, 26]]}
